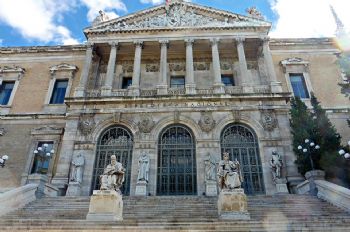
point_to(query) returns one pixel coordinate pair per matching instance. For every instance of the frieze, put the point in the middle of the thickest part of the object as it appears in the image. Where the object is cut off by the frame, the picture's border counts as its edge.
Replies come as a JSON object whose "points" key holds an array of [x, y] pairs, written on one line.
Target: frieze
{"points": [[86, 124], [152, 67], [84, 146], [146, 123], [269, 120], [63, 67], [207, 122], [127, 67], [201, 66], [47, 130], [179, 15], [177, 67], [226, 65]]}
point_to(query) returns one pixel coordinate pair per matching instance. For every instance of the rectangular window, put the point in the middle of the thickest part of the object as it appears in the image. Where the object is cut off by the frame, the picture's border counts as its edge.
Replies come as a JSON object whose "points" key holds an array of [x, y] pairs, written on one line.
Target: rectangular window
{"points": [[299, 86], [227, 80], [177, 82], [42, 157], [59, 92], [127, 81], [5, 92]]}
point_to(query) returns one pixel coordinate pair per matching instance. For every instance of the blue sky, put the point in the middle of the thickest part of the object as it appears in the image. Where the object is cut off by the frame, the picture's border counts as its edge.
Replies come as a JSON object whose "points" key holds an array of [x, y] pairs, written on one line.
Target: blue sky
{"points": [[50, 22]]}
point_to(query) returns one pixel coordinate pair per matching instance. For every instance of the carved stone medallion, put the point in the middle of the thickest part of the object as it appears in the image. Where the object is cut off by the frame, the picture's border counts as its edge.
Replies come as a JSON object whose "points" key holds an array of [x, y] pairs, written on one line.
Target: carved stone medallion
{"points": [[152, 67], [146, 123], [207, 122], [86, 124], [268, 120], [2, 131]]}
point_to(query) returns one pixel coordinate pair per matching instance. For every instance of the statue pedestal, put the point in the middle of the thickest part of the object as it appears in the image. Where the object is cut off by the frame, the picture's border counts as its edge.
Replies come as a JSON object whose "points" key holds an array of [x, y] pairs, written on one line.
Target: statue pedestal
{"points": [[232, 205], [105, 205], [141, 188], [211, 188], [281, 186], [74, 189]]}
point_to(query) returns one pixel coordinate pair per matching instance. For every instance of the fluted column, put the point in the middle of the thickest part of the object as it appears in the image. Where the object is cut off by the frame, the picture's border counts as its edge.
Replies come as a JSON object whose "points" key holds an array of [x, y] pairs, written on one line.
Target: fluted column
{"points": [[218, 85], [244, 78], [106, 89], [162, 88], [135, 87], [275, 85], [80, 90], [190, 84]]}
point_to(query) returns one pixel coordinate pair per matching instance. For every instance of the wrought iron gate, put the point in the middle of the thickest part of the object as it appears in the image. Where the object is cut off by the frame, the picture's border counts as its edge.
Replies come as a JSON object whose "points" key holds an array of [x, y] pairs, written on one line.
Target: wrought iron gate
{"points": [[241, 142], [176, 162], [116, 141]]}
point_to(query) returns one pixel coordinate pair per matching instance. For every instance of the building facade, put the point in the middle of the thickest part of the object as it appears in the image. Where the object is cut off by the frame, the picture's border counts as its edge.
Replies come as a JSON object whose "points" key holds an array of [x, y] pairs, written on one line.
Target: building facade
{"points": [[182, 83]]}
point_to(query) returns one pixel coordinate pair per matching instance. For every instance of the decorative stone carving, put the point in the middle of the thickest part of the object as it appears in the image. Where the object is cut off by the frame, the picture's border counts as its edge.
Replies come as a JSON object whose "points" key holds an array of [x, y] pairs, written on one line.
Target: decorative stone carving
{"points": [[237, 115], [12, 70], [201, 66], [226, 65], [177, 67], [152, 67], [207, 122], [269, 120], [127, 67], [146, 123], [143, 166], [103, 17], [176, 116], [254, 13], [294, 61], [276, 164], [117, 117], [77, 169], [179, 15], [210, 168], [86, 124], [63, 67], [113, 176], [229, 174]]}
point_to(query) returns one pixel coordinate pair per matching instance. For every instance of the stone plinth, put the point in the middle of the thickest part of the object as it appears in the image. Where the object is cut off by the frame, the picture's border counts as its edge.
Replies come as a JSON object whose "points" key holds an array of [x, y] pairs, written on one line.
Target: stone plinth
{"points": [[211, 188], [141, 188], [40, 180], [105, 205], [74, 189], [232, 205], [281, 185]]}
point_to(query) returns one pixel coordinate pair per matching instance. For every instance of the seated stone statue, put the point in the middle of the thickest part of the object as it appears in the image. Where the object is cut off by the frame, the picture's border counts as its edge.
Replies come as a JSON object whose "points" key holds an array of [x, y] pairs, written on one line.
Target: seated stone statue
{"points": [[113, 175], [229, 174]]}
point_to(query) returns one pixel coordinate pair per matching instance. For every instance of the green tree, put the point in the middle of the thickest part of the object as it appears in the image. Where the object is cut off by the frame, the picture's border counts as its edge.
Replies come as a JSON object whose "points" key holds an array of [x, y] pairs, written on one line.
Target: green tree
{"points": [[302, 127]]}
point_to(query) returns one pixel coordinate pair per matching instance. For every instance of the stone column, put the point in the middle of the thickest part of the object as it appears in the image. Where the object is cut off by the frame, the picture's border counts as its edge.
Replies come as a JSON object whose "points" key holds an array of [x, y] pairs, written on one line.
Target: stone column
{"points": [[162, 88], [275, 85], [135, 87], [60, 180], [190, 85], [243, 79], [218, 85], [79, 91], [107, 88]]}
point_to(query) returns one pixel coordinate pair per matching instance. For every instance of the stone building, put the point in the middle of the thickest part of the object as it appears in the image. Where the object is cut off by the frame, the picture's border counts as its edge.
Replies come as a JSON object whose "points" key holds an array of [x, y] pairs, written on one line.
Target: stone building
{"points": [[180, 83]]}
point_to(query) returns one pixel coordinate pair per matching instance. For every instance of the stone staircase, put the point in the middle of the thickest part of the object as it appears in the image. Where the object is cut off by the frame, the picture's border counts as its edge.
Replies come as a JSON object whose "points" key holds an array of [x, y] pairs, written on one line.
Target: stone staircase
{"points": [[186, 213]]}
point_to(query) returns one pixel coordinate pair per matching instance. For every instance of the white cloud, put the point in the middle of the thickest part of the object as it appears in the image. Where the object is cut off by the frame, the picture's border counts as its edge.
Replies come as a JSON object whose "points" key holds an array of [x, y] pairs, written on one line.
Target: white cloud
{"points": [[154, 2], [308, 18], [106, 5], [1, 41], [35, 19]]}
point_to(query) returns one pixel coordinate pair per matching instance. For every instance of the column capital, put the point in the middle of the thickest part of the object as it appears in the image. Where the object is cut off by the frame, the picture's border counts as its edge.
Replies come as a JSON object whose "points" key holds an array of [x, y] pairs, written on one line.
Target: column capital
{"points": [[189, 41], [240, 40], [114, 44], [138, 43], [214, 41], [164, 43]]}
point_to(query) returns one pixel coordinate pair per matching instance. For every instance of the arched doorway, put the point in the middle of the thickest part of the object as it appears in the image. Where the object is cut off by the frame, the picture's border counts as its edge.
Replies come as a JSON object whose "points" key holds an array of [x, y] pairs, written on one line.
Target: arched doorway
{"points": [[176, 171], [242, 144], [117, 141]]}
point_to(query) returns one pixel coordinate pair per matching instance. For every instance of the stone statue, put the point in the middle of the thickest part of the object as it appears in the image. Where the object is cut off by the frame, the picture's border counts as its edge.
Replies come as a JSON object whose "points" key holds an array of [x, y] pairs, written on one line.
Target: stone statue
{"points": [[210, 168], [77, 169], [229, 174], [276, 164], [143, 167], [113, 175]]}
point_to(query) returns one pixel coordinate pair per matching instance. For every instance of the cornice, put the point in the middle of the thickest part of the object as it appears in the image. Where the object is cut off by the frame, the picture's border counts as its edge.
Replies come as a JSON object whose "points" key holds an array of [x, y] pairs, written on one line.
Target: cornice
{"points": [[42, 49]]}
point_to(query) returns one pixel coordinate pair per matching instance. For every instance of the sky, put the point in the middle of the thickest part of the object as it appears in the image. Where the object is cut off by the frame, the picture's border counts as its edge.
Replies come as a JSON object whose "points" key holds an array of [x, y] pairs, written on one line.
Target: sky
{"points": [[61, 22]]}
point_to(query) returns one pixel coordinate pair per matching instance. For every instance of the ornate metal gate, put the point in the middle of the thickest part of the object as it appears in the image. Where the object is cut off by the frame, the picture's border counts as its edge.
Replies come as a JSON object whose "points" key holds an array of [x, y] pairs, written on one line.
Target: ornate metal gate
{"points": [[116, 141], [176, 162], [241, 142]]}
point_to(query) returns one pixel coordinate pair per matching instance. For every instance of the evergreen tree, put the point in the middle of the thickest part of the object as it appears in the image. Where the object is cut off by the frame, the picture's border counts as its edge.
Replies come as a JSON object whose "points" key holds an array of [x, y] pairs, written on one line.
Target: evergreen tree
{"points": [[302, 127]]}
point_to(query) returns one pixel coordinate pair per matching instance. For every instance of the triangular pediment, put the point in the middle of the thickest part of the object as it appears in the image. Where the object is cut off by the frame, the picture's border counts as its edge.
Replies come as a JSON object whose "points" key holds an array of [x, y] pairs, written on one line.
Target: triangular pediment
{"points": [[176, 16]]}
